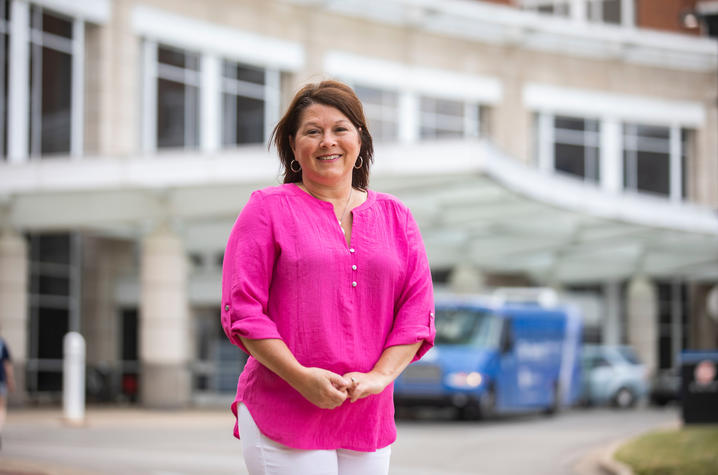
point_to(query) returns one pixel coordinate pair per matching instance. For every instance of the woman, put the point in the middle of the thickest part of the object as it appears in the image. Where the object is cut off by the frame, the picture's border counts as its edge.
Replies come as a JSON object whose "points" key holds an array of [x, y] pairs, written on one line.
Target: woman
{"points": [[326, 285]]}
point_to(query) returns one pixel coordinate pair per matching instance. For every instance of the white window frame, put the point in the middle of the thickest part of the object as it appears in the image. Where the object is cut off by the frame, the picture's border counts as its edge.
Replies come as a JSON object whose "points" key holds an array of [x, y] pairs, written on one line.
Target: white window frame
{"points": [[21, 39], [584, 10], [268, 93], [588, 140], [383, 112], [412, 82], [214, 43], [613, 110]]}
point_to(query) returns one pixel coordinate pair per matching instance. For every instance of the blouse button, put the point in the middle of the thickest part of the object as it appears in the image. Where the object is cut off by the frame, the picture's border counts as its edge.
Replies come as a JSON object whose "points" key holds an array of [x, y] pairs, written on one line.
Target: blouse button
{"points": [[226, 308], [354, 267], [354, 284], [351, 250]]}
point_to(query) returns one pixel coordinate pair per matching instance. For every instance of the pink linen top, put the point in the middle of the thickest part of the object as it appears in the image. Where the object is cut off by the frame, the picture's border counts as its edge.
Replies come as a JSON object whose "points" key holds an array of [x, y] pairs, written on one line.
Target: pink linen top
{"points": [[288, 273]]}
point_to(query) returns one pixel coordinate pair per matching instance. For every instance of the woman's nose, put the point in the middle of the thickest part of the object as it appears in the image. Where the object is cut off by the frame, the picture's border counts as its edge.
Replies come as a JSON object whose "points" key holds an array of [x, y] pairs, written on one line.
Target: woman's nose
{"points": [[328, 139]]}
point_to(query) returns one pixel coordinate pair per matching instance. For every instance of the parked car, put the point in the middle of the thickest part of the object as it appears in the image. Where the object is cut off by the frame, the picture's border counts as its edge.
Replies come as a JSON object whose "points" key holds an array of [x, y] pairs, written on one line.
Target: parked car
{"points": [[612, 375], [496, 358]]}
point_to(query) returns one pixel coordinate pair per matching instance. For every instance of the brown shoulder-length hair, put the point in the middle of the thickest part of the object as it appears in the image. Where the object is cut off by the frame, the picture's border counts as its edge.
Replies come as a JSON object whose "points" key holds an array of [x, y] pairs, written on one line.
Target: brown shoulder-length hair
{"points": [[329, 93]]}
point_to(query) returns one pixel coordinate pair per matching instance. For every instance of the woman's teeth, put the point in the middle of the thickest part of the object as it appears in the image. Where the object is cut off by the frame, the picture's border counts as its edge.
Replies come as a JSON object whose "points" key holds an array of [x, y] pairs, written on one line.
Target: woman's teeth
{"points": [[329, 157]]}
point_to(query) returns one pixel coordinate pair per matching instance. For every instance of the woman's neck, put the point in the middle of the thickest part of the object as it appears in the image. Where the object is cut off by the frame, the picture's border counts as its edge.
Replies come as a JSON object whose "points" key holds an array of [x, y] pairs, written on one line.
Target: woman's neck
{"points": [[327, 192]]}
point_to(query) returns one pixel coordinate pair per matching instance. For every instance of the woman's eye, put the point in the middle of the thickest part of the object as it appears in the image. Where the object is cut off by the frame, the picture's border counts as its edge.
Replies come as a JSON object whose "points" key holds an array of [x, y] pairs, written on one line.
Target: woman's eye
{"points": [[312, 131], [341, 129]]}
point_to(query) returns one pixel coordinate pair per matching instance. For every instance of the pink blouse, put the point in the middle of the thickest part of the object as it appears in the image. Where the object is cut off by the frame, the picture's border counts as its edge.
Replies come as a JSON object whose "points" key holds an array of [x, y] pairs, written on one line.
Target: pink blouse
{"points": [[289, 274]]}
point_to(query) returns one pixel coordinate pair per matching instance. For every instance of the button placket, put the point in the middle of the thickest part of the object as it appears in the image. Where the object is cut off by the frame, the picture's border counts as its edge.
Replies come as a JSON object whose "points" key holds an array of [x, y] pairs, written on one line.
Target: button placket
{"points": [[352, 253]]}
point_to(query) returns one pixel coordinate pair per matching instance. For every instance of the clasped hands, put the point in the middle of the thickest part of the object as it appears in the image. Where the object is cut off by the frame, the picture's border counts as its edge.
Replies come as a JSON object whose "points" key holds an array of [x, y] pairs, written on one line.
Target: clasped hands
{"points": [[329, 390]]}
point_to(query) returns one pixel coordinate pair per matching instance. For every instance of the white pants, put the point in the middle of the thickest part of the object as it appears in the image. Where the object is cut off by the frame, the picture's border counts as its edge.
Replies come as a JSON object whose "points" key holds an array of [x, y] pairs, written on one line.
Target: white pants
{"points": [[264, 456]]}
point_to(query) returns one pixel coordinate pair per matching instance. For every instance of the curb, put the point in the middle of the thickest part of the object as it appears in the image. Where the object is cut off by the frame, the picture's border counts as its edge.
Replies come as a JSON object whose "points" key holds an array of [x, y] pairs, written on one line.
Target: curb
{"points": [[608, 463]]}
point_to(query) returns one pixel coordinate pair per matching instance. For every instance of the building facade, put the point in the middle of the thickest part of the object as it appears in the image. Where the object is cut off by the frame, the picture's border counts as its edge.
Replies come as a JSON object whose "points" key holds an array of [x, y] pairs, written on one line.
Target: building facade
{"points": [[562, 143]]}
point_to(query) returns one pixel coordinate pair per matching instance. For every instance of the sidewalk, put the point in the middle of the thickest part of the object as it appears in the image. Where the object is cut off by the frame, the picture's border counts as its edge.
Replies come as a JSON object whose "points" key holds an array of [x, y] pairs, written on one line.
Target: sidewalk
{"points": [[196, 441], [39, 442]]}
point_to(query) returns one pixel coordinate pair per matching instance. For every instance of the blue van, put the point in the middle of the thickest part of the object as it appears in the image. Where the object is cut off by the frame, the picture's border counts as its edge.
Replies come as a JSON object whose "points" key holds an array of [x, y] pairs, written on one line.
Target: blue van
{"points": [[496, 356]]}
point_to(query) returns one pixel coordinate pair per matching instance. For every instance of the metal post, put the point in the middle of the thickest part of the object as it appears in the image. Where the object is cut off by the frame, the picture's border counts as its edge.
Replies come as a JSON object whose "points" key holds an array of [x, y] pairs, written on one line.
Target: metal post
{"points": [[73, 378]]}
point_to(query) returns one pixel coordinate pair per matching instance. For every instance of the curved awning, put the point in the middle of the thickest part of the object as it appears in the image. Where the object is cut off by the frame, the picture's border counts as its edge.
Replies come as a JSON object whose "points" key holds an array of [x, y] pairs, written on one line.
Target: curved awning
{"points": [[474, 206]]}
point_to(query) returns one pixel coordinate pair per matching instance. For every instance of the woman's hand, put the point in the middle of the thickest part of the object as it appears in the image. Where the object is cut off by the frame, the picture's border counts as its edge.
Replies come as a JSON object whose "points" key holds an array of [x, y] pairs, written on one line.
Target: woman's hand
{"points": [[366, 384], [322, 388]]}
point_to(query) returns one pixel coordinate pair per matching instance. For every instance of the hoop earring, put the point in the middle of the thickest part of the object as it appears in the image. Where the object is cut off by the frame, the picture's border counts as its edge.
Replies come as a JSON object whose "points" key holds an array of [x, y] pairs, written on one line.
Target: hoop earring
{"points": [[291, 166], [361, 163]]}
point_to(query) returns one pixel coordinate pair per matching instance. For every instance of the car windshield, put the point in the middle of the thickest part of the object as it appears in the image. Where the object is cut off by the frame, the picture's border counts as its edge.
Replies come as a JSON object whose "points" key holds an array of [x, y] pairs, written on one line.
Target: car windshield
{"points": [[629, 355], [467, 327]]}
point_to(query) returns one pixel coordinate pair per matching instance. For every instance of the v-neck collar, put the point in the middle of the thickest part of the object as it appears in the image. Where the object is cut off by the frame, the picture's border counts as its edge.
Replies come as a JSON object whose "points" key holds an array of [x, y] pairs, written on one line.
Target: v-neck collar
{"points": [[294, 187]]}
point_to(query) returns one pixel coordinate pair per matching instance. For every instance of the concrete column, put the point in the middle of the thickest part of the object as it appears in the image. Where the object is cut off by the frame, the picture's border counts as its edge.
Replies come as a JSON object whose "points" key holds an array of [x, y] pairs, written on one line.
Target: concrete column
{"points": [[164, 321], [611, 324], [466, 279], [642, 315], [14, 272]]}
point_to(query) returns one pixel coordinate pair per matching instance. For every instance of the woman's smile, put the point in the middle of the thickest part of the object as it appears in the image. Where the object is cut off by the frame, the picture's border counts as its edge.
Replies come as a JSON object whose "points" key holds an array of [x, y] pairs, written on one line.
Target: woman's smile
{"points": [[326, 146]]}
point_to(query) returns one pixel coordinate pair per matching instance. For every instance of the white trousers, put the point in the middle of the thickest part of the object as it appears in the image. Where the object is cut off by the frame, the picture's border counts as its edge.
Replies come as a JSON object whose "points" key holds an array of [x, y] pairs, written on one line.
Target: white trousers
{"points": [[264, 456]]}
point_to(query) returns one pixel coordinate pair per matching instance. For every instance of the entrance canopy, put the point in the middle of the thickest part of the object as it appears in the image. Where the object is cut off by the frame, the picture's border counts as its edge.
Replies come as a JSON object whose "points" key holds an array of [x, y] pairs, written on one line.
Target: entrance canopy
{"points": [[474, 205]]}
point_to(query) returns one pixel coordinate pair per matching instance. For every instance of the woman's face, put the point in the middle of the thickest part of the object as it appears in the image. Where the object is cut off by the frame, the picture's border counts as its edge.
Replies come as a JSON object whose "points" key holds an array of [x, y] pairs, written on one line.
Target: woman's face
{"points": [[326, 145]]}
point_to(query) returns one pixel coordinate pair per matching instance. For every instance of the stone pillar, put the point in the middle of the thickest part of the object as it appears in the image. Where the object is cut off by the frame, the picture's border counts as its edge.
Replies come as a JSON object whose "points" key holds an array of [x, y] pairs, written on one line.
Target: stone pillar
{"points": [[466, 279], [642, 315], [164, 321], [14, 271], [611, 324]]}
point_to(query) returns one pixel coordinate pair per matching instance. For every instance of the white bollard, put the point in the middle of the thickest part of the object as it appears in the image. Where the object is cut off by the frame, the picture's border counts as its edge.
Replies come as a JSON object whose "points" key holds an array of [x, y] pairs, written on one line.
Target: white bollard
{"points": [[73, 378]]}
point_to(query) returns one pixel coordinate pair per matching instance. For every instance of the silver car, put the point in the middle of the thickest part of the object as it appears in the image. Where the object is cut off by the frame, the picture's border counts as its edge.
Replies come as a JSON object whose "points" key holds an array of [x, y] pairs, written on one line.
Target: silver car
{"points": [[612, 375]]}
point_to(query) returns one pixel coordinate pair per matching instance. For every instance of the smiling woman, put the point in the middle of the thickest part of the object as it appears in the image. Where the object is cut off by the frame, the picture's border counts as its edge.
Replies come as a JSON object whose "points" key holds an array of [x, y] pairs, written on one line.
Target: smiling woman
{"points": [[326, 285]]}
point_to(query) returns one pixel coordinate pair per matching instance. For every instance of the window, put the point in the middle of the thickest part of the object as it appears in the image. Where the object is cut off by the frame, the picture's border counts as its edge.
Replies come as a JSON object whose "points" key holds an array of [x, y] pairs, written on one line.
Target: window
{"points": [[444, 118], [646, 158], [381, 108], [605, 11], [243, 104], [54, 300], [177, 98], [50, 83], [576, 147], [549, 7]]}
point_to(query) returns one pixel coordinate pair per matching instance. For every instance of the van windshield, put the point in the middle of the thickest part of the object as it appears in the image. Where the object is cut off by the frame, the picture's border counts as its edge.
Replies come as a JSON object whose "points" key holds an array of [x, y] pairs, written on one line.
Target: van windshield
{"points": [[467, 327]]}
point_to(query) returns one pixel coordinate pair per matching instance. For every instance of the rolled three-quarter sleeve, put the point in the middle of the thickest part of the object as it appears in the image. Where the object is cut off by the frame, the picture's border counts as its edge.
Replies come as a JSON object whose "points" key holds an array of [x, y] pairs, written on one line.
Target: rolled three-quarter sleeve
{"points": [[247, 273], [414, 308]]}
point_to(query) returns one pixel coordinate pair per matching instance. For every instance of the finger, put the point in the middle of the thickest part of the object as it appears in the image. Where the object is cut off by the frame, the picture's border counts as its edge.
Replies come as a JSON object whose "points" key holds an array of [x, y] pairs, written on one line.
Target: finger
{"points": [[338, 382]]}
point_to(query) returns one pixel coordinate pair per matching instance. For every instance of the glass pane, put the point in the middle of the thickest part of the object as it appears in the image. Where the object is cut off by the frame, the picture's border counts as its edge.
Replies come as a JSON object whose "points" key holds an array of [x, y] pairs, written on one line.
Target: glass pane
{"points": [[56, 100], [243, 72], [653, 172], [51, 248], [450, 108], [250, 120], [250, 74], [570, 159], [653, 132], [52, 326], [56, 25], [612, 11], [191, 112], [570, 123], [229, 119], [369, 94], [171, 56], [49, 285], [170, 114]]}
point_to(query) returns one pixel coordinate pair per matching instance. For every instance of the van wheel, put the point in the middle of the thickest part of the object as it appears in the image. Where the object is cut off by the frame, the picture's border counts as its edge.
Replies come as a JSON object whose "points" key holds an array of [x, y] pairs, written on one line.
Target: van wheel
{"points": [[624, 398], [469, 412], [487, 404]]}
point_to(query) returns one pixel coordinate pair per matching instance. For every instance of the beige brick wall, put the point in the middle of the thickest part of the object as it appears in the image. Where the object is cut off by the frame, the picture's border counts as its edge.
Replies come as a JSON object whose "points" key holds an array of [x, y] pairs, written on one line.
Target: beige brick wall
{"points": [[114, 111]]}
